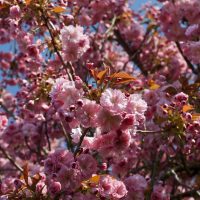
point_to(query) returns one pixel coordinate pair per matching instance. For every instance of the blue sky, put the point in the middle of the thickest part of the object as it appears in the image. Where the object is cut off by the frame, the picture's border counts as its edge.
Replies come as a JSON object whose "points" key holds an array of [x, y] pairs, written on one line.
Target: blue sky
{"points": [[6, 47]]}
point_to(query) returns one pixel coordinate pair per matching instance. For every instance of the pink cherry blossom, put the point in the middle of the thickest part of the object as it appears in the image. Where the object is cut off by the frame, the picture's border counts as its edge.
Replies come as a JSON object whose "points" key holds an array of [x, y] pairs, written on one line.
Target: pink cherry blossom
{"points": [[113, 100], [88, 166], [108, 120]]}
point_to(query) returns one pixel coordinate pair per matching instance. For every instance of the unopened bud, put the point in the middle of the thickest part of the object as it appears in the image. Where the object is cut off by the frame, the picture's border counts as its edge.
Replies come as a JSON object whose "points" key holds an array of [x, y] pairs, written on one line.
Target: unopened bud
{"points": [[103, 166], [17, 183]]}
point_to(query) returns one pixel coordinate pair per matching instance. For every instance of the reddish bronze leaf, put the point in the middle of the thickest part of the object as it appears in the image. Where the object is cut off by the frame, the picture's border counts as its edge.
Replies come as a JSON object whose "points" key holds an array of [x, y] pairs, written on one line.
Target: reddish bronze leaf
{"points": [[25, 173]]}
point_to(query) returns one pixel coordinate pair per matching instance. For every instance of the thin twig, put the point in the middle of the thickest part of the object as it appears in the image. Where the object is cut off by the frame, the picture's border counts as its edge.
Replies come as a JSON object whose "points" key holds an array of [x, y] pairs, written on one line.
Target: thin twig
{"points": [[8, 169], [140, 48], [69, 145], [186, 59], [55, 46], [160, 131], [140, 155], [178, 180], [179, 168], [185, 194], [47, 136], [11, 160], [7, 111], [107, 31], [80, 141], [129, 51], [148, 197], [26, 141]]}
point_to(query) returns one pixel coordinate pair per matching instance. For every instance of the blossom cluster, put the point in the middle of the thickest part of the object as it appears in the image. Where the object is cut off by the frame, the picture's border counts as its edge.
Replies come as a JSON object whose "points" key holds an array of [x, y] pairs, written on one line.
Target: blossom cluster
{"points": [[106, 100]]}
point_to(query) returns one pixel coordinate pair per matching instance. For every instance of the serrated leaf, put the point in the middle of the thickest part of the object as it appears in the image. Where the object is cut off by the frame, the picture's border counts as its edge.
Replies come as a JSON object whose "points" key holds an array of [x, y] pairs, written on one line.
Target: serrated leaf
{"points": [[35, 181], [154, 86], [59, 9], [184, 80], [28, 2], [195, 116], [94, 73], [171, 90], [25, 173], [169, 112], [124, 76], [102, 76], [4, 6], [151, 81], [187, 108]]}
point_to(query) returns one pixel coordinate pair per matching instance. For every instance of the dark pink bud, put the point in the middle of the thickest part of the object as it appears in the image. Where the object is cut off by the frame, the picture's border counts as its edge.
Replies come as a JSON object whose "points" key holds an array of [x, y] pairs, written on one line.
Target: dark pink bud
{"points": [[54, 189], [119, 80], [164, 112], [17, 183], [89, 87], [103, 166], [69, 117], [89, 65], [167, 95], [78, 82], [165, 106], [79, 102], [108, 77], [127, 95], [72, 108]]}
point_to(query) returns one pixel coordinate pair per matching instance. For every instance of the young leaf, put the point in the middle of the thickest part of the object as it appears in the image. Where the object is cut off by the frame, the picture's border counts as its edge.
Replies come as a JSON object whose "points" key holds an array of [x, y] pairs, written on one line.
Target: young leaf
{"points": [[171, 90], [28, 2], [21, 177], [195, 116], [169, 112], [124, 76], [94, 73], [187, 108], [151, 81], [154, 86], [25, 173], [102, 76], [59, 9], [35, 181]]}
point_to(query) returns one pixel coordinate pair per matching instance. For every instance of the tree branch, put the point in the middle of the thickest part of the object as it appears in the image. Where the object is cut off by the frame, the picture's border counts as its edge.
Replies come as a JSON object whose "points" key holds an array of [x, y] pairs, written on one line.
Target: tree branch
{"points": [[186, 59], [185, 194], [80, 141], [69, 145], [126, 47], [7, 111], [10, 159]]}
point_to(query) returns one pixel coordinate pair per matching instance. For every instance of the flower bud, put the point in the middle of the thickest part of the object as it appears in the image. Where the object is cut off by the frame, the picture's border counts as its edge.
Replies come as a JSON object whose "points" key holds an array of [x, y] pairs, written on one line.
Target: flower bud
{"points": [[89, 65], [17, 183], [78, 82], [79, 102], [72, 108], [54, 189], [103, 166], [69, 117]]}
